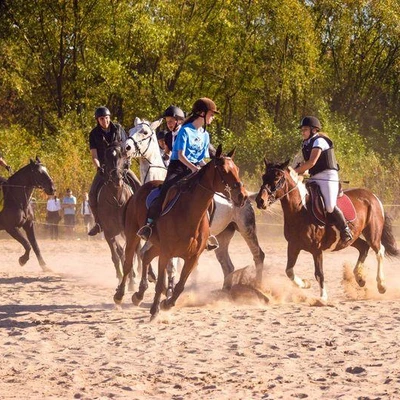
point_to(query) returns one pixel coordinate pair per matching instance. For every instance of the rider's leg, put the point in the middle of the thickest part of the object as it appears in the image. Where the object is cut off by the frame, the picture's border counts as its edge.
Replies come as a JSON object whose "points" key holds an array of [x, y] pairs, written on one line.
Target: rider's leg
{"points": [[94, 190], [329, 189]]}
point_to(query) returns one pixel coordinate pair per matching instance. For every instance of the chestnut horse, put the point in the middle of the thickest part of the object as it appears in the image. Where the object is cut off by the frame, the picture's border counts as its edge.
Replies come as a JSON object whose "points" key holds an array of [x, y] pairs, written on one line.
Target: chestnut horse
{"points": [[301, 231], [188, 221]]}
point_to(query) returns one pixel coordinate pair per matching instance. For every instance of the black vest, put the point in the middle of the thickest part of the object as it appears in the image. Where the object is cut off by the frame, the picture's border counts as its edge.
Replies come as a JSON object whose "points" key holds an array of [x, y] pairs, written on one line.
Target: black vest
{"points": [[327, 159]]}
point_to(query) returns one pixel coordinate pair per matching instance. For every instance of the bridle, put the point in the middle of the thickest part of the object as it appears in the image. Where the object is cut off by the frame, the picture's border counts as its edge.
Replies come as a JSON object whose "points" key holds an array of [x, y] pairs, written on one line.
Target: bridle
{"points": [[228, 188], [272, 192]]}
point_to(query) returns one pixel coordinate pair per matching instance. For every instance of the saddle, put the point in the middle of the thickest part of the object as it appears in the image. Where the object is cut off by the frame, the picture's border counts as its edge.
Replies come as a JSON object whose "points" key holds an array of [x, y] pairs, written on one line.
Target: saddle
{"points": [[317, 207], [171, 198]]}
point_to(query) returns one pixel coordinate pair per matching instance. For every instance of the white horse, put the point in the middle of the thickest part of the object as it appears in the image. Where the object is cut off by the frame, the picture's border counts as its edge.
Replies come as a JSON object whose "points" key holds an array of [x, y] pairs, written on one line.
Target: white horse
{"points": [[227, 218]]}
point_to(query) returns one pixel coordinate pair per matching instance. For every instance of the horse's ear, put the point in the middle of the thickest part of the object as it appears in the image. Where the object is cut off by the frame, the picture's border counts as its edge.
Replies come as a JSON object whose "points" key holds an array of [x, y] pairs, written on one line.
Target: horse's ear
{"points": [[155, 124], [31, 161], [231, 154], [219, 151], [265, 162], [137, 121], [38, 160]]}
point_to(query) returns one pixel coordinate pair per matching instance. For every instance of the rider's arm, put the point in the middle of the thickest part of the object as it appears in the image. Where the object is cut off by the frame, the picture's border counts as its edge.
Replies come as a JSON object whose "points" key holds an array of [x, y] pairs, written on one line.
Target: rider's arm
{"points": [[95, 158], [182, 158], [315, 154]]}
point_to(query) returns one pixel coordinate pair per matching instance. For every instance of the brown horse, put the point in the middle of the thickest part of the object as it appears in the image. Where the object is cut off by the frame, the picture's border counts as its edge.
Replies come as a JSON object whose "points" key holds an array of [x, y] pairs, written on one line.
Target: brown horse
{"points": [[183, 230], [281, 182]]}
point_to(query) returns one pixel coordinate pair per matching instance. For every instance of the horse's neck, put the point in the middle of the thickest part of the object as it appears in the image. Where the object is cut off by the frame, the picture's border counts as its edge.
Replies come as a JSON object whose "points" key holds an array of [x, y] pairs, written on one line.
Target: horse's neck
{"points": [[152, 169], [19, 189], [293, 201]]}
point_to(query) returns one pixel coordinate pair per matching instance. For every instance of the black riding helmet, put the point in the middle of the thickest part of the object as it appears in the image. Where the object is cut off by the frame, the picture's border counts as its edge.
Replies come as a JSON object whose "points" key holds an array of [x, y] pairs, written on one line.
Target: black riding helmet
{"points": [[101, 112], [310, 121], [175, 112]]}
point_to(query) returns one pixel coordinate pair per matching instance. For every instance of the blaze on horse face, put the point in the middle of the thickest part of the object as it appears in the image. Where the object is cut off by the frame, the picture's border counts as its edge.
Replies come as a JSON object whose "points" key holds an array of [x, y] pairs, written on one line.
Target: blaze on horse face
{"points": [[273, 181], [114, 164]]}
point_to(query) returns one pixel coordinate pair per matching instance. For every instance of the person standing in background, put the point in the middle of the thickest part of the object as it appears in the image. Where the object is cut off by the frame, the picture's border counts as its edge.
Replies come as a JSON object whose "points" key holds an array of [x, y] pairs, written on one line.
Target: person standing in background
{"points": [[86, 212], [53, 215], [69, 207]]}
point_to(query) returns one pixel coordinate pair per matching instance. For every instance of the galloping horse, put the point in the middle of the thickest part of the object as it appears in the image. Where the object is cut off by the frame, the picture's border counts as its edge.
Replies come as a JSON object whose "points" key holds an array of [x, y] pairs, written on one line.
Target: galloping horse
{"points": [[187, 219], [227, 218], [112, 199], [17, 211], [302, 232]]}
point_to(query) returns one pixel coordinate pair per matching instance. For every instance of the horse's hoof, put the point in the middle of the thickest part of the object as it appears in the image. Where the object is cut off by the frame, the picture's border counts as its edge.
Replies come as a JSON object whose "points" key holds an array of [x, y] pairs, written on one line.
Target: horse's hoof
{"points": [[45, 268], [381, 288], [117, 299], [136, 300], [22, 261], [361, 282], [165, 306]]}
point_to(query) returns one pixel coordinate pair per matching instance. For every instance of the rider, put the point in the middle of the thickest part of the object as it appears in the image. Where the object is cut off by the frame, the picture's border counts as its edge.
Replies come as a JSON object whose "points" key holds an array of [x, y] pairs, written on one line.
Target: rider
{"points": [[174, 118], [321, 162], [104, 134], [188, 154], [6, 166]]}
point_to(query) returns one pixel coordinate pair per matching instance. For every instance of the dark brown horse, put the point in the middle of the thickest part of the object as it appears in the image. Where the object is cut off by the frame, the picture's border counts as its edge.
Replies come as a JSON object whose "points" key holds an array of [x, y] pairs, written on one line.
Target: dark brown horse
{"points": [[280, 182], [112, 199], [182, 231], [17, 212]]}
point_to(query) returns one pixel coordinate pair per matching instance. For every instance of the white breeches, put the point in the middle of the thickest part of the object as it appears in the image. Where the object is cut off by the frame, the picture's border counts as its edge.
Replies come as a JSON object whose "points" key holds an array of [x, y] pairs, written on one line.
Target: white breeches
{"points": [[328, 181]]}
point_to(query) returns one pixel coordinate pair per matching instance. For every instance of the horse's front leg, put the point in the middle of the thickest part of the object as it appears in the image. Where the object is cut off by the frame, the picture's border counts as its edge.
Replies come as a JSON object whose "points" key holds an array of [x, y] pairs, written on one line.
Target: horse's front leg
{"points": [[146, 258], [319, 274], [130, 250], [160, 285], [292, 254], [172, 269], [17, 235], [30, 233], [115, 257], [187, 269], [222, 253]]}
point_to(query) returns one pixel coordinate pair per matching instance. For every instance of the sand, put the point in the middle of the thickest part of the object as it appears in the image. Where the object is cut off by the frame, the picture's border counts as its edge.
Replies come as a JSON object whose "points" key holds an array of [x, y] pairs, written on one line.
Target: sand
{"points": [[62, 336]]}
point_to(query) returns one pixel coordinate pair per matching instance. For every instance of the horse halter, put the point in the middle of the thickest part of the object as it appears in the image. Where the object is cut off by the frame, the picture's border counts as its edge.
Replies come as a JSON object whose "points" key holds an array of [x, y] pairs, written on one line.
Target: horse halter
{"points": [[228, 188], [137, 142]]}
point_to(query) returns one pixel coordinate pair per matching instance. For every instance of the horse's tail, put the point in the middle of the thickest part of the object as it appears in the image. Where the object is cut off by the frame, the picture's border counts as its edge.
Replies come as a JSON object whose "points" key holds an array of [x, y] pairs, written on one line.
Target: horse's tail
{"points": [[388, 240]]}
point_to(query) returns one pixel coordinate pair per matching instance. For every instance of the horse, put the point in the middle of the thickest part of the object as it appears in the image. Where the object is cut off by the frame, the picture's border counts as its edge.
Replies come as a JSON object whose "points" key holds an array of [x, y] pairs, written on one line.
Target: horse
{"points": [[226, 219], [304, 232], [187, 218], [112, 198], [17, 211]]}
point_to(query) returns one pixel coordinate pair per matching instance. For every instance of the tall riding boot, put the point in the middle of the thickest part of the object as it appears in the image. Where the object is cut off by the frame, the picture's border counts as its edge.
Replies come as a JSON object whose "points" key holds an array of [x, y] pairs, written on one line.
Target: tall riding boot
{"points": [[341, 224], [97, 227]]}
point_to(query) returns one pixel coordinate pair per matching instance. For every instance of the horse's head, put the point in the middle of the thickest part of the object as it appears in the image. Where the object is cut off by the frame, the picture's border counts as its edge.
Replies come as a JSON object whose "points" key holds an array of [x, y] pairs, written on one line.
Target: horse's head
{"points": [[142, 139], [273, 184], [114, 163], [40, 177], [226, 179]]}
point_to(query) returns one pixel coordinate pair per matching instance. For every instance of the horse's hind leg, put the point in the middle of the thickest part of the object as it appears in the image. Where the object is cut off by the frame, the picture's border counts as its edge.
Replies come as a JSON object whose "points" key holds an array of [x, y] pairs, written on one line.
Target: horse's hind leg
{"points": [[160, 286], [115, 256], [362, 246], [30, 233], [380, 276]]}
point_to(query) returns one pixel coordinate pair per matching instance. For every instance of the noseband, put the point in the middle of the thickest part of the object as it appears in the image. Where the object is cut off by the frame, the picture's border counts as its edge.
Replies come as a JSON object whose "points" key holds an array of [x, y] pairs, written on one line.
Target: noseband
{"points": [[137, 142]]}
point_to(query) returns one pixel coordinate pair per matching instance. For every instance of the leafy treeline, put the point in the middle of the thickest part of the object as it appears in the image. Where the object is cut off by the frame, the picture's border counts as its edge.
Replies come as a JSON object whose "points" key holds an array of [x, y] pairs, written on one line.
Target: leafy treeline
{"points": [[266, 63]]}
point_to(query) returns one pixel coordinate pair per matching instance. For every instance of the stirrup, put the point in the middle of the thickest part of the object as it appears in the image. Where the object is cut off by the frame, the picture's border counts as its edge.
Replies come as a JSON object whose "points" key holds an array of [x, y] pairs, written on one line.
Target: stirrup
{"points": [[145, 232], [212, 243], [95, 230], [346, 234]]}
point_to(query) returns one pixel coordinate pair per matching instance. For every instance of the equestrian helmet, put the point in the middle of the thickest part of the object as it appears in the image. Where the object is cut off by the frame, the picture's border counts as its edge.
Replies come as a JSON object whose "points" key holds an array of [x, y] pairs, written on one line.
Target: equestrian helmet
{"points": [[175, 112], [204, 104], [101, 112], [310, 121], [161, 135]]}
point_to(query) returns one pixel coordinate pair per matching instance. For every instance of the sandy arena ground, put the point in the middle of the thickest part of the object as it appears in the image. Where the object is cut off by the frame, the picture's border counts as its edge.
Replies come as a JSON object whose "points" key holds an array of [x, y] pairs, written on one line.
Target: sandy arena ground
{"points": [[61, 335]]}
